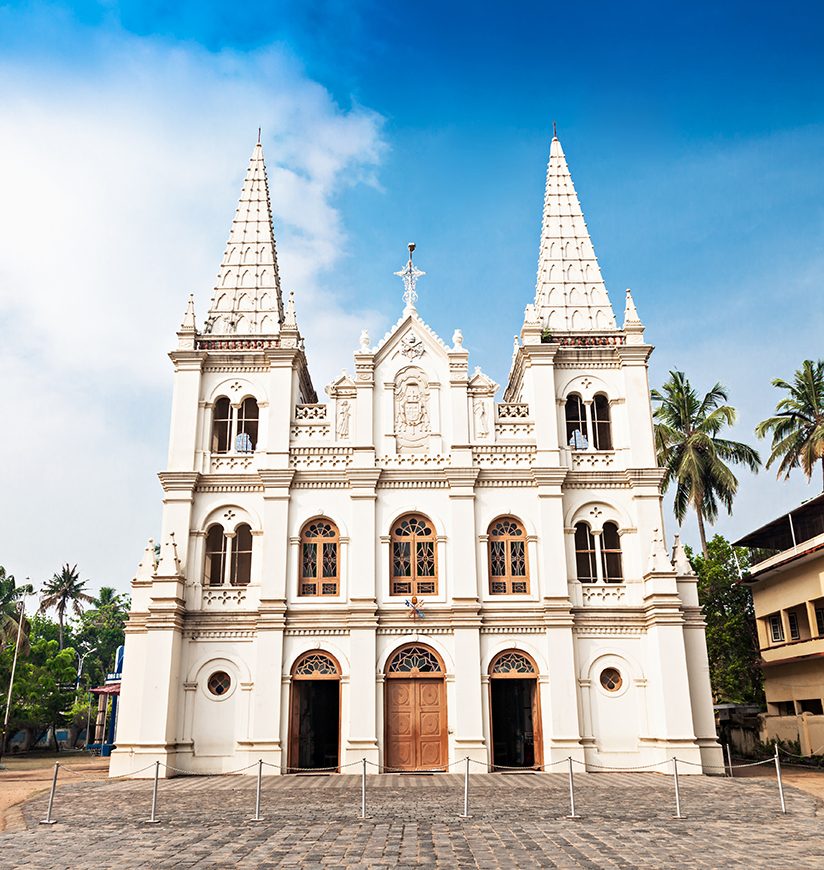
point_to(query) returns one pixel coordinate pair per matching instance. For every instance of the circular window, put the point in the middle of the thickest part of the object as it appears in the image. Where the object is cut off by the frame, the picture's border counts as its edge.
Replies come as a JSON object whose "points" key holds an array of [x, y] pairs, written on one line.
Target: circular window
{"points": [[219, 683], [611, 679]]}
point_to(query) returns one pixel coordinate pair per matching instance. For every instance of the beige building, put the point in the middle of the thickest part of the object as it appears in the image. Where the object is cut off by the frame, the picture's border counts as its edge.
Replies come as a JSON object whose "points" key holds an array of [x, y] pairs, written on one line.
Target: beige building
{"points": [[787, 582]]}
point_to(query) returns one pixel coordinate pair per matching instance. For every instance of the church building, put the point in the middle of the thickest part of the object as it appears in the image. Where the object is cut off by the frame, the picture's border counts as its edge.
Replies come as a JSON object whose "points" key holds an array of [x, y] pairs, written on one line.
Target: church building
{"points": [[419, 569]]}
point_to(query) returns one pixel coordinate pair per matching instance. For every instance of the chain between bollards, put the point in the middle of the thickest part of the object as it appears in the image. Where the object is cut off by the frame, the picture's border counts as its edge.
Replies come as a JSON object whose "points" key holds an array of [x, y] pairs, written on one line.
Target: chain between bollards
{"points": [[152, 820], [677, 789], [49, 820], [465, 813], [572, 813], [257, 816], [778, 777], [363, 790]]}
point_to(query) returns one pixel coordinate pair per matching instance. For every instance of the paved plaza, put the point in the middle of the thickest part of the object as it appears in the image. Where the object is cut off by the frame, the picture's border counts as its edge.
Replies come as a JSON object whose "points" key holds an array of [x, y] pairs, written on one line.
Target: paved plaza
{"points": [[518, 820]]}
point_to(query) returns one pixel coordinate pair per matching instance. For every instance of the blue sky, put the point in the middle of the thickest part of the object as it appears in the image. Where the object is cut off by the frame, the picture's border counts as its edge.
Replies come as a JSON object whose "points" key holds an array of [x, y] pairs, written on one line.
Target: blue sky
{"points": [[695, 136]]}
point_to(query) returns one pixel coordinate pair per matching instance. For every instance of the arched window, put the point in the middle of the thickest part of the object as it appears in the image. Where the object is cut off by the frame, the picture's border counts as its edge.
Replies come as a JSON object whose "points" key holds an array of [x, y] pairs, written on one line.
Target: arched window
{"points": [[585, 555], [215, 556], [222, 426], [414, 565], [611, 554], [247, 426], [241, 556], [508, 573], [576, 423], [319, 558], [600, 423]]}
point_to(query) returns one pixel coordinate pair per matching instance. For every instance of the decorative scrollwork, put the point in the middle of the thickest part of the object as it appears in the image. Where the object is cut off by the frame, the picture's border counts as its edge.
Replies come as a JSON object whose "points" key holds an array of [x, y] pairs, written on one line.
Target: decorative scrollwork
{"points": [[415, 659]]}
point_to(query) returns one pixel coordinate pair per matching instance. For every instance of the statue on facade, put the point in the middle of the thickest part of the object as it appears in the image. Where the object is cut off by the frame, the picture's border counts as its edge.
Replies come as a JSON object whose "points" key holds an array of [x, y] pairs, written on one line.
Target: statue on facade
{"points": [[344, 413]]}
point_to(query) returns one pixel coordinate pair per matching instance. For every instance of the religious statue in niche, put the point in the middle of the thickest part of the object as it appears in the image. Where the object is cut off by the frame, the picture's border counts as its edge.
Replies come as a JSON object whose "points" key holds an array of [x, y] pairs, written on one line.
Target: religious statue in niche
{"points": [[412, 426], [344, 413], [481, 425]]}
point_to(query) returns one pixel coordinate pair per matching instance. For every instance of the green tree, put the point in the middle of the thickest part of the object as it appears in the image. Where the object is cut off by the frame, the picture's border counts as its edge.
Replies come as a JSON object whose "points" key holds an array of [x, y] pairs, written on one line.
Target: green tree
{"points": [[64, 592], [732, 641], [692, 453], [10, 597], [797, 426], [101, 628], [44, 682]]}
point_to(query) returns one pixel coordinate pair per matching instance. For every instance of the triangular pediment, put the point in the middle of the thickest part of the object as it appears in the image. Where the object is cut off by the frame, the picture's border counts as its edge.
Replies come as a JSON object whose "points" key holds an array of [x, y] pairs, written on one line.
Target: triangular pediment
{"points": [[411, 338], [481, 384], [342, 386]]}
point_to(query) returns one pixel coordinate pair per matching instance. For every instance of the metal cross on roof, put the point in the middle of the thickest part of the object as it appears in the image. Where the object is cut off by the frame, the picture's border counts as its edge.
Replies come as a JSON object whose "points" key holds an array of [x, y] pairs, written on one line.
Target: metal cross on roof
{"points": [[409, 275]]}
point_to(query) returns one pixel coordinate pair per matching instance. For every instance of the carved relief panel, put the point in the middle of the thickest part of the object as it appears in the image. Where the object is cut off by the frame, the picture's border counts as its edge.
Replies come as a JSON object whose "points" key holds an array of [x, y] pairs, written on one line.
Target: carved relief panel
{"points": [[412, 411]]}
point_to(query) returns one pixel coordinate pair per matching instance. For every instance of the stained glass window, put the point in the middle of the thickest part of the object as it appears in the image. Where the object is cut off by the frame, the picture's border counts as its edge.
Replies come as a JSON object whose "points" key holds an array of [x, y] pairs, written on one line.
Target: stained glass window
{"points": [[319, 558], [414, 561], [512, 662], [415, 659], [315, 665], [219, 683], [508, 571]]}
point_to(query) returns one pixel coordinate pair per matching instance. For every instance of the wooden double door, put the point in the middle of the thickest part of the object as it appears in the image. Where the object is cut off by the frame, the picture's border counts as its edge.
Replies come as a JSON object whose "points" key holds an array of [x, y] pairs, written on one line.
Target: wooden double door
{"points": [[415, 716]]}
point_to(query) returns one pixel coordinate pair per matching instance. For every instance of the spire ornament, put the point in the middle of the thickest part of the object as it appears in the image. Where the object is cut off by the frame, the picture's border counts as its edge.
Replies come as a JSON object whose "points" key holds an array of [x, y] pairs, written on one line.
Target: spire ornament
{"points": [[409, 275]]}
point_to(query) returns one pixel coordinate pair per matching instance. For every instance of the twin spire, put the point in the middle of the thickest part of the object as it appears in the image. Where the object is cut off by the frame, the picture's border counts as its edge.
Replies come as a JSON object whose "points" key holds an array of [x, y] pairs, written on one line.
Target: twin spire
{"points": [[247, 298], [570, 294]]}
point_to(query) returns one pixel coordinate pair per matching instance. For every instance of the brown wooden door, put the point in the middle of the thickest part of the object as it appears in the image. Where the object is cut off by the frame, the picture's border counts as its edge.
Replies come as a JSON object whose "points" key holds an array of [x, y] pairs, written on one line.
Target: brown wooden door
{"points": [[415, 724]]}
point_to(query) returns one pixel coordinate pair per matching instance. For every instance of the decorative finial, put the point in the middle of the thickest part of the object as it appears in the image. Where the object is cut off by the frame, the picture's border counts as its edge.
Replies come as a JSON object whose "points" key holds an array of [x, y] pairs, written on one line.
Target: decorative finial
{"points": [[457, 339], [258, 135], [290, 318], [554, 130], [409, 275], [364, 341]]}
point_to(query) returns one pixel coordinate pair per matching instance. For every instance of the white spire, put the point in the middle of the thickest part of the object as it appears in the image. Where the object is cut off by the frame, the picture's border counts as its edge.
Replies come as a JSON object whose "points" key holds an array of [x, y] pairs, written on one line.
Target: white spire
{"points": [[680, 562], [247, 298], [570, 295], [189, 324], [169, 564], [145, 569]]}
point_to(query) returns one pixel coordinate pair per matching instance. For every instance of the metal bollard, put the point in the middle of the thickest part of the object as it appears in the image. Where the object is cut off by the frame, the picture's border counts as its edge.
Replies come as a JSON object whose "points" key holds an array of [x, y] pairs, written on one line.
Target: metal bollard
{"points": [[677, 790], [465, 813], [363, 791], [778, 777], [729, 758], [153, 819], [572, 813], [258, 817], [49, 820]]}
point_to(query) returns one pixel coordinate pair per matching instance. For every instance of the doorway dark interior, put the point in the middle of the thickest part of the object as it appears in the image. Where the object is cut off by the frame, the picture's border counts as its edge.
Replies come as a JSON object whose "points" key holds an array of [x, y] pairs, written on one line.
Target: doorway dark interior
{"points": [[319, 723], [513, 735]]}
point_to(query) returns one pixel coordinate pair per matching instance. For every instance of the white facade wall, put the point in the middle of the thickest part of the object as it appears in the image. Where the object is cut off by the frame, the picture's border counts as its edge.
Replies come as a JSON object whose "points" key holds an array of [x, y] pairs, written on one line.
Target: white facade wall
{"points": [[471, 467]]}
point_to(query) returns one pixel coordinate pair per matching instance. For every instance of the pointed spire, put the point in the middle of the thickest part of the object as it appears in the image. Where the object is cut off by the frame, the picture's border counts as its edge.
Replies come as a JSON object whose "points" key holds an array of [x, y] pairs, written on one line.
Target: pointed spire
{"points": [[247, 298], [658, 560], [290, 318], [189, 324], [145, 570], [570, 294], [680, 562], [169, 564]]}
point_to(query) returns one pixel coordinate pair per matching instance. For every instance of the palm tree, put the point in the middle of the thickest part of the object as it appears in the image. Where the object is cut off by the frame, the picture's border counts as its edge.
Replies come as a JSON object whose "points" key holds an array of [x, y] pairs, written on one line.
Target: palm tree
{"points": [[695, 458], [65, 591], [107, 595], [798, 425], [10, 597]]}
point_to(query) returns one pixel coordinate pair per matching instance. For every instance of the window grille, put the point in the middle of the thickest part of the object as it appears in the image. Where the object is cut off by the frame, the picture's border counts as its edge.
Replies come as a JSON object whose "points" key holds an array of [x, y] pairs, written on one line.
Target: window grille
{"points": [[776, 628], [219, 683], [319, 558], [415, 659], [413, 568], [512, 662], [508, 571]]}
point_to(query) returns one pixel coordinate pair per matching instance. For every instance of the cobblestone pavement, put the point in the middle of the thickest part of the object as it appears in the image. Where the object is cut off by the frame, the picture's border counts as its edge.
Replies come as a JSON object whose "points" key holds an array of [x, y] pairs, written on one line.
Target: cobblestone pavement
{"points": [[518, 820]]}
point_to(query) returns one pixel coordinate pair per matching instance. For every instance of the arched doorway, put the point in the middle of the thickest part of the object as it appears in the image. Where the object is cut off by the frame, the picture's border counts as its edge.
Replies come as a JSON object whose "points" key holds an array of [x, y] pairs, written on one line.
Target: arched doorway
{"points": [[515, 711], [415, 710], [314, 716]]}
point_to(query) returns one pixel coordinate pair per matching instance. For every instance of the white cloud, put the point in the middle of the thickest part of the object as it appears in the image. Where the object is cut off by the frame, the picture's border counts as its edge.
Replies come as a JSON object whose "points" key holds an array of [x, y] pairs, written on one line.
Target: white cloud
{"points": [[119, 183]]}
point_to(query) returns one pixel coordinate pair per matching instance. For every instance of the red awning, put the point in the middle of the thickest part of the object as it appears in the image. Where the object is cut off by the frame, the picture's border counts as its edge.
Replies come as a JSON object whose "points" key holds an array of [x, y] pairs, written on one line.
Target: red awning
{"points": [[111, 689]]}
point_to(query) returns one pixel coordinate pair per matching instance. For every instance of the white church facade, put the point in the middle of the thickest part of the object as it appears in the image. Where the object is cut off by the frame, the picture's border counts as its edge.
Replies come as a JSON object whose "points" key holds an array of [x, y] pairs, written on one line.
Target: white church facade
{"points": [[418, 569]]}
